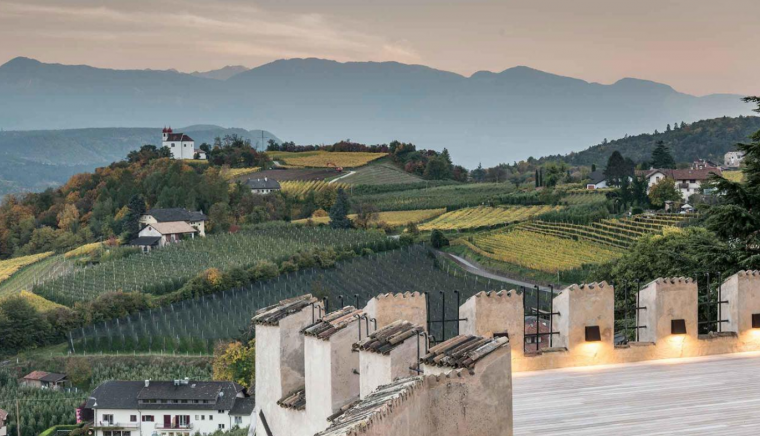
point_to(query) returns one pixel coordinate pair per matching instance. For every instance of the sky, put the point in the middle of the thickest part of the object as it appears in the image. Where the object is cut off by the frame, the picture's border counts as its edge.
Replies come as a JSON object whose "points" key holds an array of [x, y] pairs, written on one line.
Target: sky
{"points": [[697, 46]]}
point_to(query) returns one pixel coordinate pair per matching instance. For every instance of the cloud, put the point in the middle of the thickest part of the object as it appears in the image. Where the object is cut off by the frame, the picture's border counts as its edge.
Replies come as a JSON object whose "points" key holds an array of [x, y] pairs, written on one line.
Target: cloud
{"points": [[229, 28]]}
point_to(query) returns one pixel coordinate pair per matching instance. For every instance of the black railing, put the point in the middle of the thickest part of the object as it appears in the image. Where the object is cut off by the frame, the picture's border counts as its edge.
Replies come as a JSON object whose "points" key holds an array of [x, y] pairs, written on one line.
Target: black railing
{"points": [[536, 313]]}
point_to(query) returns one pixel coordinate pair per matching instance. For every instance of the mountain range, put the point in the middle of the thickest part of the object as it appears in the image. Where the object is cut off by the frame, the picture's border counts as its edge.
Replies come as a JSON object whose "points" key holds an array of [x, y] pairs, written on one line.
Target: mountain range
{"points": [[487, 117]]}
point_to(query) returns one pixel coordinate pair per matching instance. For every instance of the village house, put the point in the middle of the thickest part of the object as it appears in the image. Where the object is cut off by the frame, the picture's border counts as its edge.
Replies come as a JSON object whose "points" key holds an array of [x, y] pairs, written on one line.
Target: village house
{"points": [[733, 159], [181, 145], [263, 186], [597, 180], [688, 181], [195, 219], [44, 380], [162, 234], [168, 408], [3, 419]]}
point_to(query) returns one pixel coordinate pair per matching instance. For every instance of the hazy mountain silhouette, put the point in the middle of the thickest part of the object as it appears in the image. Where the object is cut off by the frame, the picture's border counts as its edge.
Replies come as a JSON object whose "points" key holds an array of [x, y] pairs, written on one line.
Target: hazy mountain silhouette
{"points": [[488, 117], [222, 73]]}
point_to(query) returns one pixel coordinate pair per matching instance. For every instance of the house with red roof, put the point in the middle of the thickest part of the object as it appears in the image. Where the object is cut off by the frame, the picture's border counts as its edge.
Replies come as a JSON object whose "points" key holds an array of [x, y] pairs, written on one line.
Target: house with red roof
{"points": [[181, 145]]}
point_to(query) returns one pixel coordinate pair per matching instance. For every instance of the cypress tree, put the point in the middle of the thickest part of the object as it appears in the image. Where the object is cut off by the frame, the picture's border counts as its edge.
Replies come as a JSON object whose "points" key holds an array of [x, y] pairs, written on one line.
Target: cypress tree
{"points": [[339, 212]]}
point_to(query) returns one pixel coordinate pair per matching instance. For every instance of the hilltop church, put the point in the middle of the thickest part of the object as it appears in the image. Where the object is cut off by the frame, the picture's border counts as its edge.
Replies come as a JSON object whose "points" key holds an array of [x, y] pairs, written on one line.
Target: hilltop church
{"points": [[181, 145]]}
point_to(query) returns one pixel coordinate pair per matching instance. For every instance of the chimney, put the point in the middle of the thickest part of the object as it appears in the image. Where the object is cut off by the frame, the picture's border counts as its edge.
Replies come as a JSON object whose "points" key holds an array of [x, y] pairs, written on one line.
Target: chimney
{"points": [[147, 383]]}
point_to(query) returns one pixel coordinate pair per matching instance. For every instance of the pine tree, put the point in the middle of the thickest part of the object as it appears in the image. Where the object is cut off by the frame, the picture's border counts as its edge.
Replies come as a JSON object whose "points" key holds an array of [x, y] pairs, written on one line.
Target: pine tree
{"points": [[661, 157], [339, 211], [136, 209], [618, 168]]}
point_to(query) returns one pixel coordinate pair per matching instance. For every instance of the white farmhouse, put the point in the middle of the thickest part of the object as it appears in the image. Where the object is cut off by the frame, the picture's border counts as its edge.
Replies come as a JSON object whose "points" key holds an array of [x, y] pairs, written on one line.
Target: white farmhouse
{"points": [[162, 234], [597, 180], [196, 219], [733, 159], [168, 408], [688, 181], [182, 146], [263, 186]]}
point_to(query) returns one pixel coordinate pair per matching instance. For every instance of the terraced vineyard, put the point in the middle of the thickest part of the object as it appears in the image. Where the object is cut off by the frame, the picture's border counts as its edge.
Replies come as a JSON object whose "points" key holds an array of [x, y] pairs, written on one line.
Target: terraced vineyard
{"points": [[539, 251], [452, 196], [577, 198], [394, 219], [39, 272], [484, 216], [614, 232], [11, 266], [324, 159], [300, 188], [167, 269], [192, 326]]}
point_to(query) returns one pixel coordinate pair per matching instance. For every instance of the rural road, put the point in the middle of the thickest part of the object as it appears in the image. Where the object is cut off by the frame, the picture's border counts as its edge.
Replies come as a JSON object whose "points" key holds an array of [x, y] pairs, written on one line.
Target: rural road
{"points": [[477, 270], [341, 177]]}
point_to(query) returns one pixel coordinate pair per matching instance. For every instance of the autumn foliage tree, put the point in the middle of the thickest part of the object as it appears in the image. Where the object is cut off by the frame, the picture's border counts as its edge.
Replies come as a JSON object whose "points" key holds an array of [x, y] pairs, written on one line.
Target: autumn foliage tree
{"points": [[235, 362]]}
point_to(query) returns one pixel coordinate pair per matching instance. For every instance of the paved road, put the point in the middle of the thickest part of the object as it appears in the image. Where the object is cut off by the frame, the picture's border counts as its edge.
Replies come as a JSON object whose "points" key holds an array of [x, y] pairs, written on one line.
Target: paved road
{"points": [[473, 268]]}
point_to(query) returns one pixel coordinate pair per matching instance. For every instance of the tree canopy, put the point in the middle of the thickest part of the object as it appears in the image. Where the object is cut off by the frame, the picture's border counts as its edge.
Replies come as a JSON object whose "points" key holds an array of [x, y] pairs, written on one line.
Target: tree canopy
{"points": [[661, 157]]}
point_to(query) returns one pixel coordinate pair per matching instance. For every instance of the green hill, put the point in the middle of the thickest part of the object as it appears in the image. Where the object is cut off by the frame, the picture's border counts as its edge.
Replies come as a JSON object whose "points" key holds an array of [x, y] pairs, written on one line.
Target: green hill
{"points": [[706, 139]]}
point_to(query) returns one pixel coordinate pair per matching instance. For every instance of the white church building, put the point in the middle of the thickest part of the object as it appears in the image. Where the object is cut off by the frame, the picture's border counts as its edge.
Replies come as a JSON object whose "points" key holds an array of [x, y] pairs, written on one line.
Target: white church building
{"points": [[181, 145]]}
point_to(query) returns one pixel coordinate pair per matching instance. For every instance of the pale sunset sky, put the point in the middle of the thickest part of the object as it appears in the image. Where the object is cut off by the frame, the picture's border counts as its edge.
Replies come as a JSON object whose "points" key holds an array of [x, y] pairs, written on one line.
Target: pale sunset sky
{"points": [[697, 46]]}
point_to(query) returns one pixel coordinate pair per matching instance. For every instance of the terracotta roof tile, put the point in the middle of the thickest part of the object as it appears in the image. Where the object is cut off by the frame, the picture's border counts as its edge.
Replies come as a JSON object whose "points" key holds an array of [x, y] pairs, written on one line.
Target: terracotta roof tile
{"points": [[273, 314], [389, 337], [462, 351]]}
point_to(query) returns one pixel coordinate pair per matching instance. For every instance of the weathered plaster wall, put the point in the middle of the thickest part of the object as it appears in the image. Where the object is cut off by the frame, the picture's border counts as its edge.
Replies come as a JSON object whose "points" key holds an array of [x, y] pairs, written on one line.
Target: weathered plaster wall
{"points": [[666, 300], [379, 369], [584, 306], [487, 313], [345, 365], [742, 291], [387, 308], [456, 402]]}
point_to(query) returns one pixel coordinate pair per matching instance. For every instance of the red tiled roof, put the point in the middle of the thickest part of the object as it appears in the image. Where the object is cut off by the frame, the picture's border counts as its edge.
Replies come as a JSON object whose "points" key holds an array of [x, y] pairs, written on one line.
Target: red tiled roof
{"points": [[686, 174], [179, 137], [36, 375]]}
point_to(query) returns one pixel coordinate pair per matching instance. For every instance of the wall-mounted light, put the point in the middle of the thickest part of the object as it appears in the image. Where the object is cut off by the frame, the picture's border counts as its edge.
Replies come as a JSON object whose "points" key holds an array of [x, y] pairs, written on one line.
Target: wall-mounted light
{"points": [[756, 320], [678, 327], [593, 334]]}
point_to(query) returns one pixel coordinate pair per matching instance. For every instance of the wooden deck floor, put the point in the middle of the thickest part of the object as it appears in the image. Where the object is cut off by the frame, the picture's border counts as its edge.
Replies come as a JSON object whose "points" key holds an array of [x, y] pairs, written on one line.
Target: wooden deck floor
{"points": [[718, 395]]}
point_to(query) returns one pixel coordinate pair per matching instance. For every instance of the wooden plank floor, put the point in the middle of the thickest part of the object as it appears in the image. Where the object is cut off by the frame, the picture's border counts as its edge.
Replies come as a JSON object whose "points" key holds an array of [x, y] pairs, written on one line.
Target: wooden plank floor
{"points": [[717, 395]]}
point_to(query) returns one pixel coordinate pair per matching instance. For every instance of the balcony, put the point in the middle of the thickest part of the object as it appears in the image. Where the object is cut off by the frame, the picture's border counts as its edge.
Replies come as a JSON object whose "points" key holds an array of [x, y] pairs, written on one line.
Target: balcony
{"points": [[107, 425], [162, 426]]}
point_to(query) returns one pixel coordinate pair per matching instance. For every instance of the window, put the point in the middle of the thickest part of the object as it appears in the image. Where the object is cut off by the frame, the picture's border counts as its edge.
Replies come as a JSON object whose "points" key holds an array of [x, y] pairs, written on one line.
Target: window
{"points": [[692, 181], [132, 418], [147, 418], [211, 417], [221, 426], [238, 420], [203, 417], [108, 418], [196, 418], [172, 145]]}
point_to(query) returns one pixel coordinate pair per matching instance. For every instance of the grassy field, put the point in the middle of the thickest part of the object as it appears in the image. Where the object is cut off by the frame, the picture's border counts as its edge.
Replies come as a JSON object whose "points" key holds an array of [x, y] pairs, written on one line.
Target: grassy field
{"points": [[84, 250], [452, 196], [381, 173], [236, 173], [393, 218], [11, 266], [324, 159], [734, 176], [484, 216]]}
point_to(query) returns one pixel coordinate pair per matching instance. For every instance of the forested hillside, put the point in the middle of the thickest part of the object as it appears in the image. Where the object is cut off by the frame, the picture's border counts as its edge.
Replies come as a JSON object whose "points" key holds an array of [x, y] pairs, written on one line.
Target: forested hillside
{"points": [[37, 159], [706, 139]]}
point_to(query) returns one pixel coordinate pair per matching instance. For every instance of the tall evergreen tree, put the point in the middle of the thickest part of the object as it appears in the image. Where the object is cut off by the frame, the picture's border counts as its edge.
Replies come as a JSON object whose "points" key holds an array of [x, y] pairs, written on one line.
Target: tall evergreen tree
{"points": [[661, 157], [339, 211], [136, 209], [618, 168]]}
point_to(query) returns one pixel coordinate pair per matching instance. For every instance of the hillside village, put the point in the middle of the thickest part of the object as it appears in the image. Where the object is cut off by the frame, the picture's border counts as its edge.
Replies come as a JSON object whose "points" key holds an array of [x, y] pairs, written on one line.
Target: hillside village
{"points": [[353, 289]]}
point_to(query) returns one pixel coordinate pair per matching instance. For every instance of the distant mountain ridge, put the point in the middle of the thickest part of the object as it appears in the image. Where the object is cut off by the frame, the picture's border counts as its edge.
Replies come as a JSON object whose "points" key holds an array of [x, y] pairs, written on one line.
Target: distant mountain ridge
{"points": [[489, 117], [222, 73], [35, 160]]}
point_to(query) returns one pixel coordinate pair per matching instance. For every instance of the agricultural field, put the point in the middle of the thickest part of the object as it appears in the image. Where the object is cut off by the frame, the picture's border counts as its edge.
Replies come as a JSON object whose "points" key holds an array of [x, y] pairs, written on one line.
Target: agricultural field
{"points": [[12, 266], [285, 174], [300, 188], [192, 326], [381, 173], [540, 252], [619, 233], [485, 216], [580, 198], [324, 159], [40, 408], [84, 250], [734, 176], [236, 173], [169, 268], [49, 268], [454, 196], [393, 218], [36, 301]]}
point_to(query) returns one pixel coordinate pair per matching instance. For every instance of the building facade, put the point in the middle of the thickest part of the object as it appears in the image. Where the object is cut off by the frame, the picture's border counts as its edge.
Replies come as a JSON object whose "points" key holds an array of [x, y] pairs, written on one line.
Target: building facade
{"points": [[181, 145], [44, 380], [263, 186], [168, 408], [196, 219], [688, 181], [733, 159]]}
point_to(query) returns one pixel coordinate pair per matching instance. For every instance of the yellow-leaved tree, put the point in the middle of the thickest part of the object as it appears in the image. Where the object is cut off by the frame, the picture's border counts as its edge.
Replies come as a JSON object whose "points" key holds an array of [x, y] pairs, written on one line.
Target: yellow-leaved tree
{"points": [[235, 362]]}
